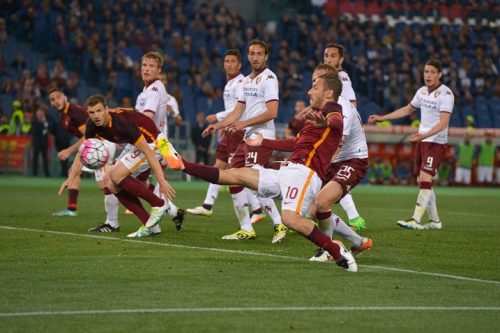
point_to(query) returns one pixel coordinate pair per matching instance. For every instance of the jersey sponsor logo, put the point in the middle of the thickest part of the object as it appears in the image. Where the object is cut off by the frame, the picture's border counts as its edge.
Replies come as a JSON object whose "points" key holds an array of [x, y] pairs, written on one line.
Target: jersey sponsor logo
{"points": [[270, 77], [448, 93], [154, 89], [345, 79]]}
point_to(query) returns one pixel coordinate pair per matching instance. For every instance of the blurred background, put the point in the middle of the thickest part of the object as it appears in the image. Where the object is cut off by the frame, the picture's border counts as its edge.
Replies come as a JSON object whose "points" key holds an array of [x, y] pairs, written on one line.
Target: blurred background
{"points": [[88, 47]]}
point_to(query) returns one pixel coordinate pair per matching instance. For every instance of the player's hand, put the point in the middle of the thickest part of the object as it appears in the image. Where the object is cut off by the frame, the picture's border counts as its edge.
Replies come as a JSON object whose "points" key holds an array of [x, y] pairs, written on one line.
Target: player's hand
{"points": [[178, 121], [237, 126], [317, 119], [374, 118], [306, 112], [211, 118], [64, 185], [209, 130], [64, 154], [417, 137], [256, 141], [167, 189]]}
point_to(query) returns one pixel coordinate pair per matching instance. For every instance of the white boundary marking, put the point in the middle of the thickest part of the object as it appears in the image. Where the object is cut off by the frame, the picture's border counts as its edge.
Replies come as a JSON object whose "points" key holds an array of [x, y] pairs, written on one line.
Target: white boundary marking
{"points": [[253, 253], [249, 309]]}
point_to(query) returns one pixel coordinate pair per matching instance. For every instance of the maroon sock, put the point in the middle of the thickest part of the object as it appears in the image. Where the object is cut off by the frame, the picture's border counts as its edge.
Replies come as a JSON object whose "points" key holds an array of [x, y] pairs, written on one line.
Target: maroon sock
{"points": [[107, 191], [257, 211], [73, 199], [325, 242], [133, 204], [235, 189], [208, 173], [133, 185]]}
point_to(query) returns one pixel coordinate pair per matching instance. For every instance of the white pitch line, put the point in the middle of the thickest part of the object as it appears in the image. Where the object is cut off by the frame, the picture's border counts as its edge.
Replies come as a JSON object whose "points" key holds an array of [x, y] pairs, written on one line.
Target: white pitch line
{"points": [[250, 309], [253, 253]]}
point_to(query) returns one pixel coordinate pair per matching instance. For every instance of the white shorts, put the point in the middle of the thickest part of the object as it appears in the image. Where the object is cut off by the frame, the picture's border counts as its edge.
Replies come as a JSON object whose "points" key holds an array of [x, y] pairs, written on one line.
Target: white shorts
{"points": [[462, 175], [135, 161], [299, 186], [269, 182], [485, 174]]}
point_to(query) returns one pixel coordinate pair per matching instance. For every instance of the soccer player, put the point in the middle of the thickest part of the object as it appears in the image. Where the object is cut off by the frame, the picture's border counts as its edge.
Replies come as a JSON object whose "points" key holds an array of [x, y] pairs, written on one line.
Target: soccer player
{"points": [[334, 56], [435, 101], [73, 119], [301, 178], [128, 126], [153, 102], [228, 143], [255, 111]]}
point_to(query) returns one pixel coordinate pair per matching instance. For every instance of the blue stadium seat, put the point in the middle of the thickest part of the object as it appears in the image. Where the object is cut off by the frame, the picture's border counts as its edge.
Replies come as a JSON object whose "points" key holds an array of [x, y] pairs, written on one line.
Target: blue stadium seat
{"points": [[456, 118], [484, 119]]}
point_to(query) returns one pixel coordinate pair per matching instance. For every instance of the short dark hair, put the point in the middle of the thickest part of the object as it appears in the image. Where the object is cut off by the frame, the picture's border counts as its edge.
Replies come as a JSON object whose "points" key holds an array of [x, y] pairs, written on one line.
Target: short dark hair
{"points": [[54, 89], [233, 52], [94, 100], [327, 68], [332, 82], [336, 46], [434, 63], [258, 42]]}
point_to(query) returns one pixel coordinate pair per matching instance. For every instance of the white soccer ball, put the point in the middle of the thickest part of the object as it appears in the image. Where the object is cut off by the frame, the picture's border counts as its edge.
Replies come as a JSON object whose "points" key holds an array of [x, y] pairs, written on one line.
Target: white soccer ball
{"points": [[93, 153]]}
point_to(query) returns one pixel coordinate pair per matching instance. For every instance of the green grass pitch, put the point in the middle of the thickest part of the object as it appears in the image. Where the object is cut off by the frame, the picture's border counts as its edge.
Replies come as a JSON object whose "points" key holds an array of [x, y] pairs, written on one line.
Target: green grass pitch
{"points": [[57, 277]]}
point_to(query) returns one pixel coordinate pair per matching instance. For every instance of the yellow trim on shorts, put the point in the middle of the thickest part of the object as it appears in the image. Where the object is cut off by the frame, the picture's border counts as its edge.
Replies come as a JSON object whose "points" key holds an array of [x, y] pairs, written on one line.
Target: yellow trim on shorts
{"points": [[132, 169], [303, 192]]}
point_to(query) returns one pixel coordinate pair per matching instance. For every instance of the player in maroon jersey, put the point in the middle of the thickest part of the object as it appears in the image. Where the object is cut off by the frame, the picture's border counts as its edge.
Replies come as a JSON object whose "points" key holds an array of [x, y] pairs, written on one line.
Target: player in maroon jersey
{"points": [[127, 126], [73, 119], [301, 179]]}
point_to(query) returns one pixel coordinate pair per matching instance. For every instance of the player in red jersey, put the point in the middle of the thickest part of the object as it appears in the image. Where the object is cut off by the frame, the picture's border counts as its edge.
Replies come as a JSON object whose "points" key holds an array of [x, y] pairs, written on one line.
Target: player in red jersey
{"points": [[73, 119], [301, 179], [127, 126]]}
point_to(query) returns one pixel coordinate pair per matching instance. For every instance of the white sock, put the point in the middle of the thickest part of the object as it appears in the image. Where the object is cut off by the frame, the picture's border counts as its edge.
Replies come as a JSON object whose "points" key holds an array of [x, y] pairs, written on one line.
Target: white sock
{"points": [[341, 228], [422, 201], [172, 209], [212, 194], [111, 205], [271, 209], [240, 205], [252, 199], [432, 208], [348, 205]]}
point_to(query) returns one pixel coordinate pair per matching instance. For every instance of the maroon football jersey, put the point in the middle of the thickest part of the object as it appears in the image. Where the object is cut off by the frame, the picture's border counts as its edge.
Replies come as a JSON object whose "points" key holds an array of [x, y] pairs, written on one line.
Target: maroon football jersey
{"points": [[315, 146], [295, 125], [73, 117], [125, 126]]}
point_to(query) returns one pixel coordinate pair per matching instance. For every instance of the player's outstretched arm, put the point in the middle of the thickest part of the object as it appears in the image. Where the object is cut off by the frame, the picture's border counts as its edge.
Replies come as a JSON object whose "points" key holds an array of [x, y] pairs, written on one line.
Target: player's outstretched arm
{"points": [[165, 186], [399, 113], [228, 120]]}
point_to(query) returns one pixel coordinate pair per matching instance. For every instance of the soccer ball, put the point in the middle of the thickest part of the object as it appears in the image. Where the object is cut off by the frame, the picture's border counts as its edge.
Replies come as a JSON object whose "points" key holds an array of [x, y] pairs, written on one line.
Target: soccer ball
{"points": [[93, 153]]}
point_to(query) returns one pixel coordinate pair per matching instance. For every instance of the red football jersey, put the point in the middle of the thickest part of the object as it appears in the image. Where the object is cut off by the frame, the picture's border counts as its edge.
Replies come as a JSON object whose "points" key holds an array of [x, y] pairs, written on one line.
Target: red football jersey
{"points": [[73, 118], [125, 126]]}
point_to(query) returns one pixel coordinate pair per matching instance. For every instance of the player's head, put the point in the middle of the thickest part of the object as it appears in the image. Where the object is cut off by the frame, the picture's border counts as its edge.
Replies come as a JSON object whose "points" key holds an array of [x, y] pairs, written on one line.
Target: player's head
{"points": [[326, 88], [151, 65], [97, 109], [300, 105], [57, 98], [334, 55], [232, 62], [432, 73], [257, 54], [323, 69]]}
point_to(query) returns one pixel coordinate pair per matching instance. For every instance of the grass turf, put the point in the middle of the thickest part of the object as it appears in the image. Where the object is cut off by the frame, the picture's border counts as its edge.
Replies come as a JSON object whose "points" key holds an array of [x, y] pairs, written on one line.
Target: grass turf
{"points": [[56, 276]]}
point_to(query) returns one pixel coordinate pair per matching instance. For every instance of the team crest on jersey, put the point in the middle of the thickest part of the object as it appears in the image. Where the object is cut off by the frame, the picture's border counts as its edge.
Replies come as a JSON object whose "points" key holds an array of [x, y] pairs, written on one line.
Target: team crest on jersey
{"points": [[257, 81], [437, 93]]}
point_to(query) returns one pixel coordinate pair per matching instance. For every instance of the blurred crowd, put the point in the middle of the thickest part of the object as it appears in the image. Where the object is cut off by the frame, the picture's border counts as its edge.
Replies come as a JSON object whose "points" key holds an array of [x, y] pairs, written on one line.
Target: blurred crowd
{"points": [[102, 42]]}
